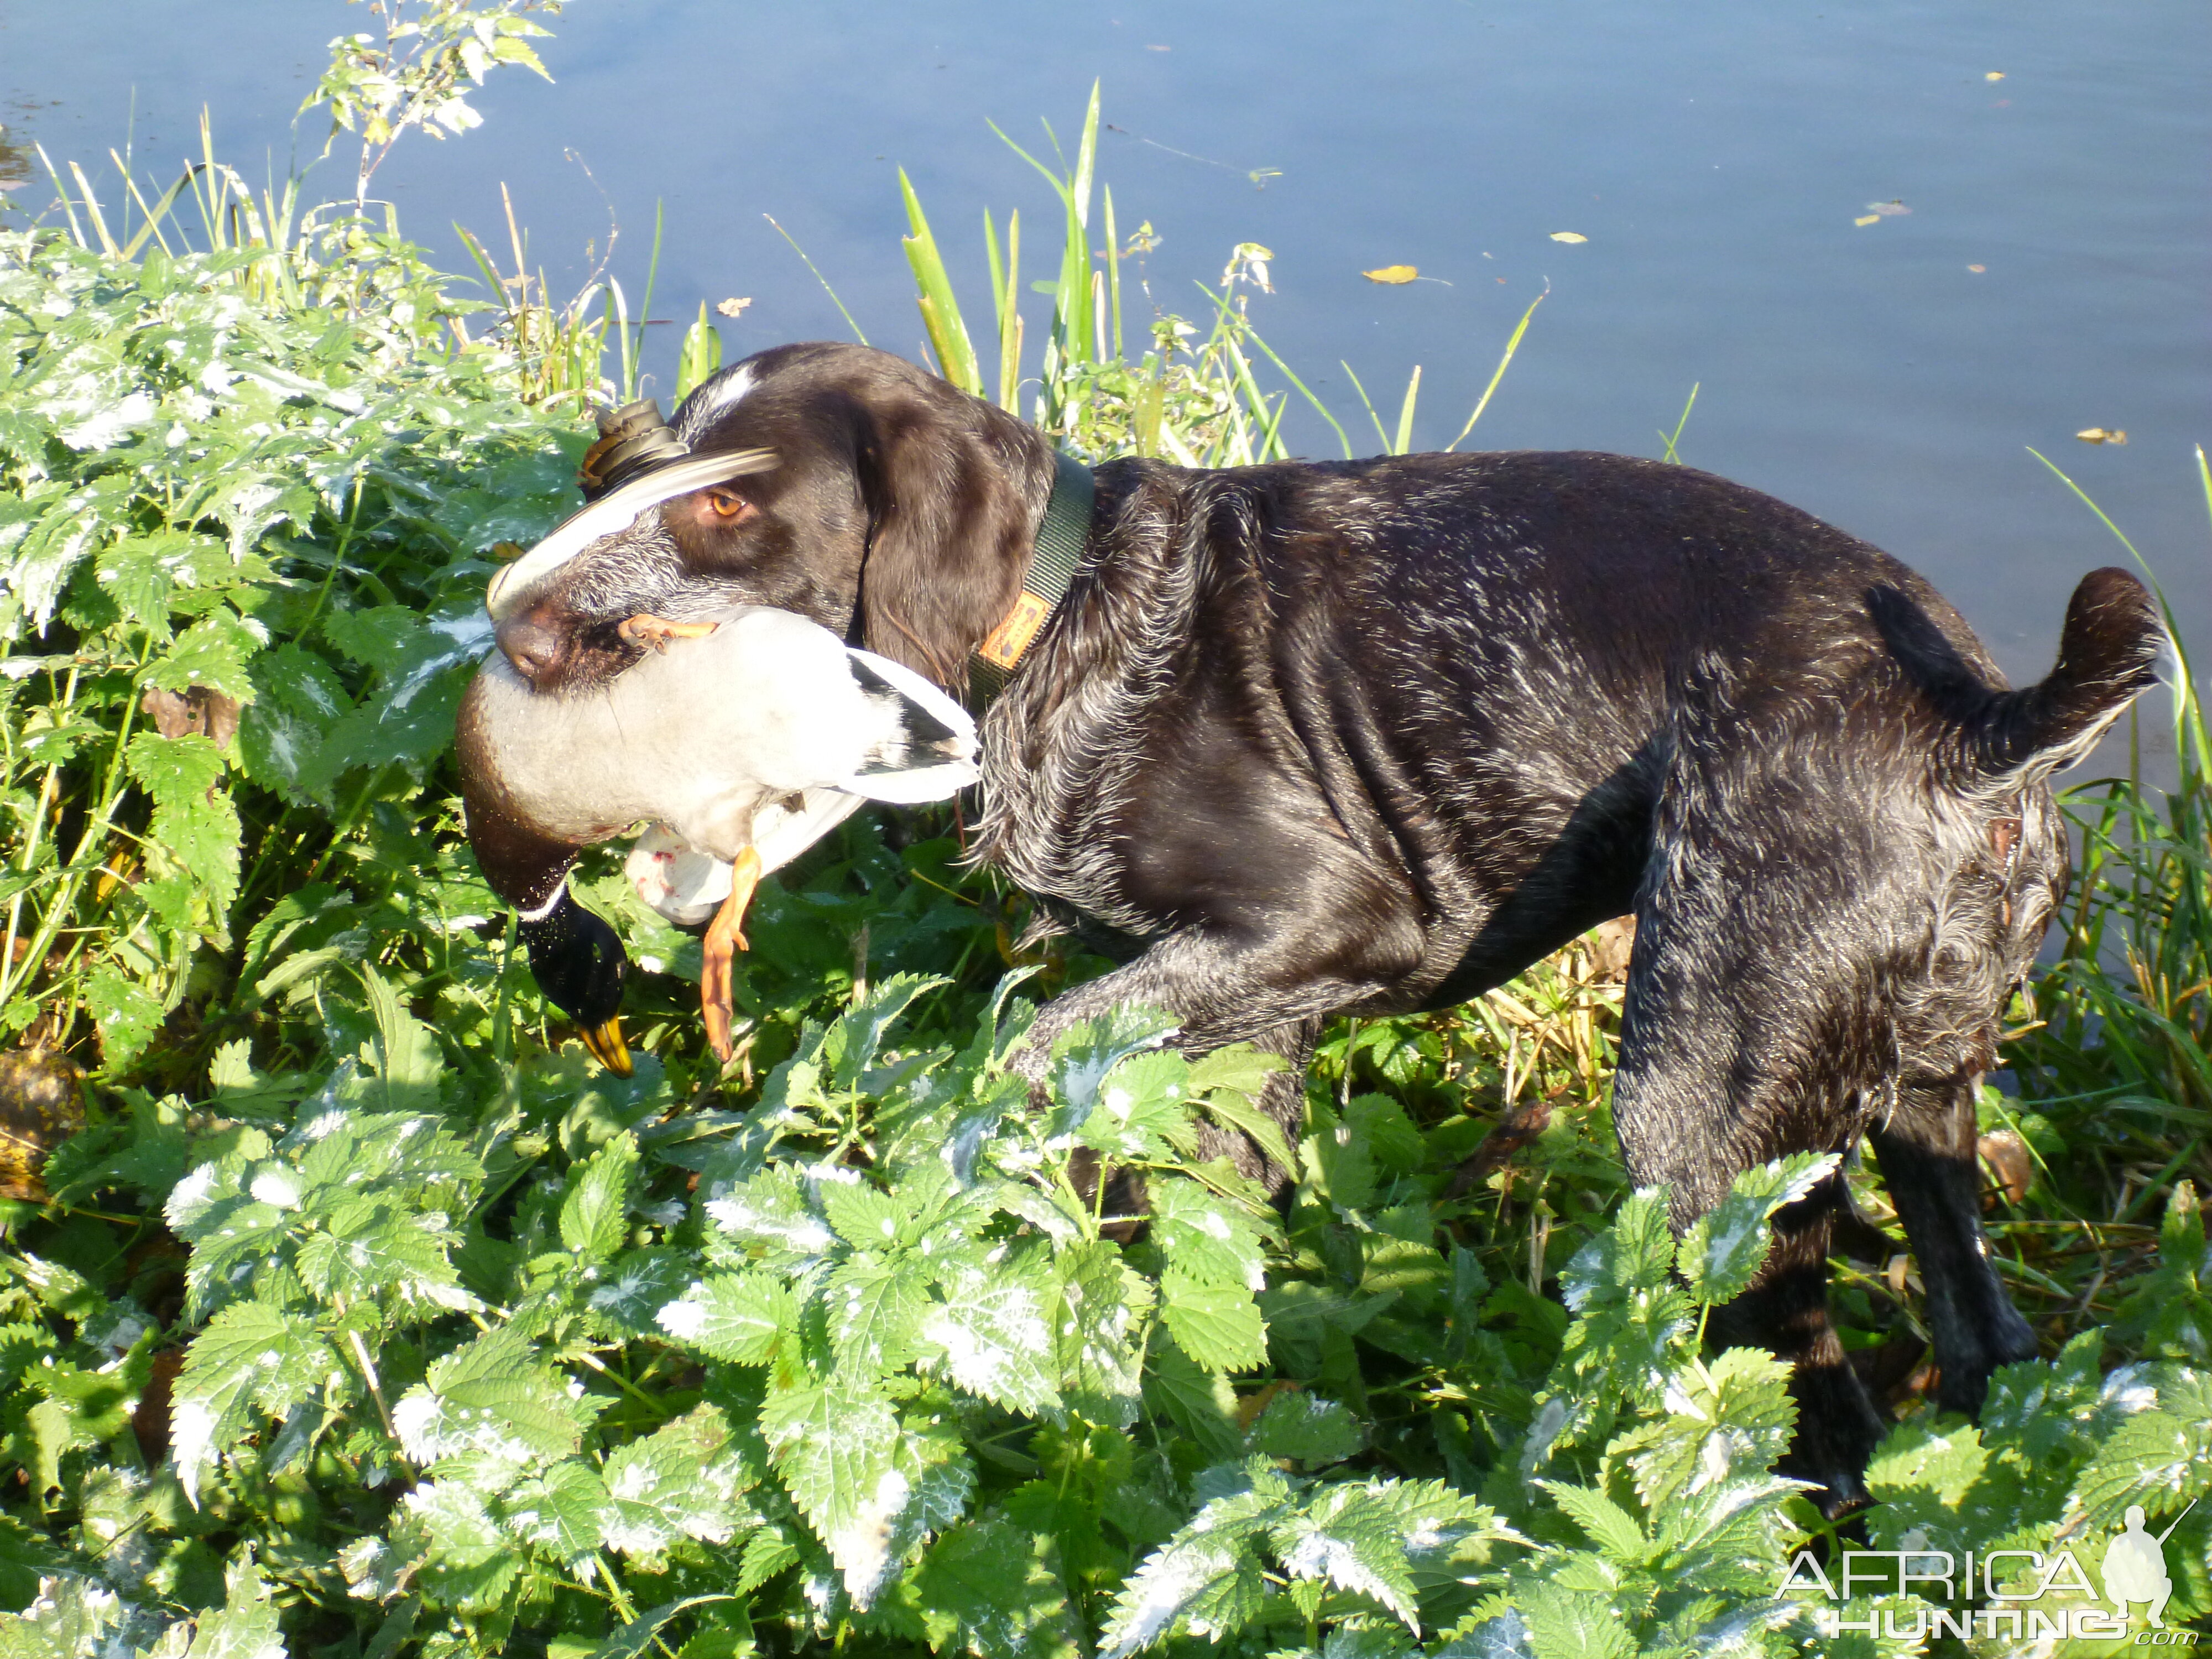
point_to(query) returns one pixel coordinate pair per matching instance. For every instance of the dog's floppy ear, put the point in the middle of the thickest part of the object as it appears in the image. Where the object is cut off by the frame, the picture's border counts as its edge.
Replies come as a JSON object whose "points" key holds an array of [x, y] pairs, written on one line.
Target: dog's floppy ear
{"points": [[948, 483], [2108, 655]]}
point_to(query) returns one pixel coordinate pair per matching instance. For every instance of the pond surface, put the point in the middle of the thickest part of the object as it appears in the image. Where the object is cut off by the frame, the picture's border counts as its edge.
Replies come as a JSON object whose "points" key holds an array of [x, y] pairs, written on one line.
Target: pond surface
{"points": [[1889, 376]]}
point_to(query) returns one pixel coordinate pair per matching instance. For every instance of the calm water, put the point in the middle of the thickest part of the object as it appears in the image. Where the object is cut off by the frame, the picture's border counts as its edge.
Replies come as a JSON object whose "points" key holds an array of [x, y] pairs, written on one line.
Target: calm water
{"points": [[2049, 275]]}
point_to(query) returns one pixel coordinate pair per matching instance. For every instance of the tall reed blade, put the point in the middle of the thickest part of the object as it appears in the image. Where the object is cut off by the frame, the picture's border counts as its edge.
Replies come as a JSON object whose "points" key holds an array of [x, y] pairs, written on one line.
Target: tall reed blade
{"points": [[940, 311]]}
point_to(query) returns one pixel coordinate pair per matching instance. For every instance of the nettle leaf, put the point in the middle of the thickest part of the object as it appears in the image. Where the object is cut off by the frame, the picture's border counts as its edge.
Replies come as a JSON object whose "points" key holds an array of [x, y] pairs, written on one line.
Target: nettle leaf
{"points": [[492, 1404], [1103, 1301], [743, 1318], [1380, 1124], [1635, 1252], [770, 1213], [864, 1215], [859, 1033], [1570, 1624], [560, 1512], [193, 823], [213, 653], [1231, 1082], [592, 1218], [244, 1627], [1733, 1417], [376, 636], [989, 1588], [628, 1295], [1087, 1051], [684, 1480], [1207, 1236], [141, 572], [1217, 1325], [1344, 1536], [1722, 1251], [126, 1013], [1209, 1576], [250, 1357], [350, 1153], [875, 1308], [1611, 1527], [2160, 1459], [298, 698], [468, 1559], [1337, 1161], [836, 1451], [1308, 1429], [993, 1336], [372, 1248], [1144, 1110], [403, 1056]]}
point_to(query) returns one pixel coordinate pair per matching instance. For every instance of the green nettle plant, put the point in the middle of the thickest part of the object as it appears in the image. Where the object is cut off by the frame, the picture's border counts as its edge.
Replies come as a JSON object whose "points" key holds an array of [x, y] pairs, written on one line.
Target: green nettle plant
{"points": [[347, 1309]]}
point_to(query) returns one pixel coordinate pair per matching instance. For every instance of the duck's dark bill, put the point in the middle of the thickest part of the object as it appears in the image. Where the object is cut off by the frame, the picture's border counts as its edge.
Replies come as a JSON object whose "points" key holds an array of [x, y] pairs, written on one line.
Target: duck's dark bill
{"points": [[607, 1047]]}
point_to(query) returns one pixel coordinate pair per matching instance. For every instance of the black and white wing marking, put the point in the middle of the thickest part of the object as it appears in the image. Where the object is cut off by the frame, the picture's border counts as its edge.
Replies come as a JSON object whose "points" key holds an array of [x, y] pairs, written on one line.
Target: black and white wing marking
{"points": [[922, 745]]}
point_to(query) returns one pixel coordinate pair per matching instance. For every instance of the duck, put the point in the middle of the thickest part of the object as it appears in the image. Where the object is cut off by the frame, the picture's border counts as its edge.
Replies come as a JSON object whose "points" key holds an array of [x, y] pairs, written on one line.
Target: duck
{"points": [[740, 739]]}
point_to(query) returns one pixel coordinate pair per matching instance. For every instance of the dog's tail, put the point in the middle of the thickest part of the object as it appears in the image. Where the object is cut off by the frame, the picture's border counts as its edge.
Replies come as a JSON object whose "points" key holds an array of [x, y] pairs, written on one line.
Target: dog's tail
{"points": [[2108, 655]]}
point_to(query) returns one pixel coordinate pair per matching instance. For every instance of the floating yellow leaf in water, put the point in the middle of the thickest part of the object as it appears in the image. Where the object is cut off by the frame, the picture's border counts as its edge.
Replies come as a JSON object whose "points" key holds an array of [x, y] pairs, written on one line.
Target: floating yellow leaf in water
{"points": [[1994, 75], [1869, 219], [1568, 236], [731, 307], [1391, 274], [2098, 434]]}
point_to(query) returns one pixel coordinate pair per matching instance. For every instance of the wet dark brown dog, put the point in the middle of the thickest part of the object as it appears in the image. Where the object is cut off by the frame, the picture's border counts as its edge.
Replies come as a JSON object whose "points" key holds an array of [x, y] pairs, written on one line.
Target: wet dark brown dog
{"points": [[1372, 737]]}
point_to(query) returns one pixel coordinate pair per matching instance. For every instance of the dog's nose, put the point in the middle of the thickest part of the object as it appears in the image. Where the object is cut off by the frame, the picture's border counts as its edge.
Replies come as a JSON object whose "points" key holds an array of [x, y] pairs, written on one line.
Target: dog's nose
{"points": [[533, 647]]}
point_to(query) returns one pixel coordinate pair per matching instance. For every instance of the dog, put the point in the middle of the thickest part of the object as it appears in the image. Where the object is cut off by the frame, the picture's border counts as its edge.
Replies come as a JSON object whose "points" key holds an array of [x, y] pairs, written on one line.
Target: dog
{"points": [[1371, 737]]}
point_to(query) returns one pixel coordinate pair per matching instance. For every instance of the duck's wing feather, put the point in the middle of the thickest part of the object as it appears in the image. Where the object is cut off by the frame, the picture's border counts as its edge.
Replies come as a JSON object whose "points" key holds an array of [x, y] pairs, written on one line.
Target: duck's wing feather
{"points": [[923, 746]]}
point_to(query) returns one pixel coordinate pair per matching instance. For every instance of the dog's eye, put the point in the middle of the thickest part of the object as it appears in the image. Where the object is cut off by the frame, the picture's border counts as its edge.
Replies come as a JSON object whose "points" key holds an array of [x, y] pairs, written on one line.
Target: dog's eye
{"points": [[725, 504]]}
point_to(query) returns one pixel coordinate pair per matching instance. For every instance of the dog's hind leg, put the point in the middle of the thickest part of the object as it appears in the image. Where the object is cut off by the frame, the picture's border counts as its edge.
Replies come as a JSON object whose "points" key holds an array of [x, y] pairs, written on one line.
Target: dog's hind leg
{"points": [[1926, 1144]]}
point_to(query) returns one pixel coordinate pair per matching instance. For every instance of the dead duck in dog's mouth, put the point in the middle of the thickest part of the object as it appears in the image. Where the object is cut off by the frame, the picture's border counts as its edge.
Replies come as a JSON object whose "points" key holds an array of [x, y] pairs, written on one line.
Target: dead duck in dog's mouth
{"points": [[749, 737]]}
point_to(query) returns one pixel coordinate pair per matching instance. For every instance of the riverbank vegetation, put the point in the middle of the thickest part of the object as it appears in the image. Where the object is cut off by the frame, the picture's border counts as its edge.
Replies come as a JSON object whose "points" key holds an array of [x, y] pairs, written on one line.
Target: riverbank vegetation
{"points": [[347, 1309]]}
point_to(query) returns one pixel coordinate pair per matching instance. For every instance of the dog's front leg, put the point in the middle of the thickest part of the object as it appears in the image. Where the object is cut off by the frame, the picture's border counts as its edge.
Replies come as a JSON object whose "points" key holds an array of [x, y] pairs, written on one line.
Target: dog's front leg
{"points": [[1930, 1164]]}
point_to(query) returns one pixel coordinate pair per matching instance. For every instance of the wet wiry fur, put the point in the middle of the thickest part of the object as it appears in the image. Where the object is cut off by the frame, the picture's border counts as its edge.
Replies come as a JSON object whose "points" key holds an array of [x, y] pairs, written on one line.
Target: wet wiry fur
{"points": [[1371, 737]]}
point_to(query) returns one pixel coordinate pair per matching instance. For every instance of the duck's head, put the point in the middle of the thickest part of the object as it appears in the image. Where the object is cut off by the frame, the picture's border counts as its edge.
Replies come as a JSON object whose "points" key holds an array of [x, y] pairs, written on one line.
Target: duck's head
{"points": [[578, 964], [575, 957]]}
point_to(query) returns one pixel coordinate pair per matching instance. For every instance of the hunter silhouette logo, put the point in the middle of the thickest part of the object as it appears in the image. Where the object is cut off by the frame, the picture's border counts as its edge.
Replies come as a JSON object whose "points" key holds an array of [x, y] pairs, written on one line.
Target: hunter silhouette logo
{"points": [[2135, 1566], [1944, 1588]]}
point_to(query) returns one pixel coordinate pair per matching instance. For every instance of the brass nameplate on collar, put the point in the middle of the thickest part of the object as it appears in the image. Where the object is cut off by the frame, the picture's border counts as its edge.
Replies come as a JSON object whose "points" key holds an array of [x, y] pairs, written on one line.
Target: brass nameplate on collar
{"points": [[1011, 637]]}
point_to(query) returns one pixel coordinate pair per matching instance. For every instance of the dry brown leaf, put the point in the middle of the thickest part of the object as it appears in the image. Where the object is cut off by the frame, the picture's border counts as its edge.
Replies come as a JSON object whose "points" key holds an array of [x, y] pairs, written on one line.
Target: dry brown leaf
{"points": [[1391, 274], [196, 711], [2098, 434], [1569, 236], [731, 307]]}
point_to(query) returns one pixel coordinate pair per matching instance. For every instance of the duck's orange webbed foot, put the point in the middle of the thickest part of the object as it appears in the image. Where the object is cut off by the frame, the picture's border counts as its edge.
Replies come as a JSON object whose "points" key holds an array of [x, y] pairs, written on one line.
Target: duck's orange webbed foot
{"points": [[725, 937]]}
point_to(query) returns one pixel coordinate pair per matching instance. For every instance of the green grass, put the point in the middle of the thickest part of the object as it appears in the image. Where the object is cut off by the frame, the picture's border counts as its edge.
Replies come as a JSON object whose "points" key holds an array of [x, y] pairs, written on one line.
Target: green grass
{"points": [[569, 1365]]}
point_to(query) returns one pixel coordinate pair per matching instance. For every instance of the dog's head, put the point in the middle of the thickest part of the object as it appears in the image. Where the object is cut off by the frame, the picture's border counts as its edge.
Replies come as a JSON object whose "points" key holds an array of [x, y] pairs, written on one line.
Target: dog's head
{"points": [[1993, 842], [899, 513]]}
